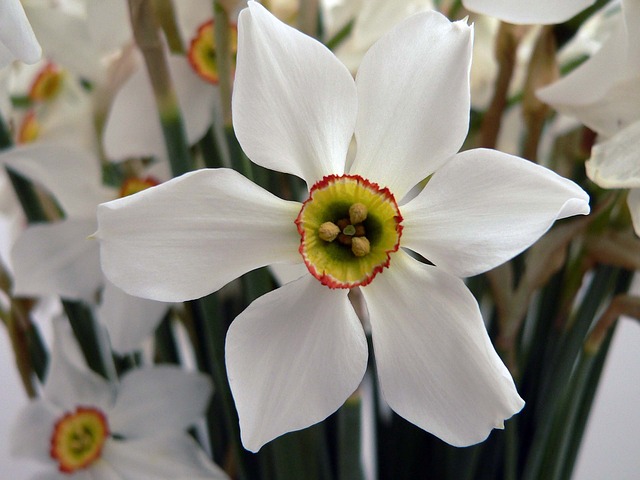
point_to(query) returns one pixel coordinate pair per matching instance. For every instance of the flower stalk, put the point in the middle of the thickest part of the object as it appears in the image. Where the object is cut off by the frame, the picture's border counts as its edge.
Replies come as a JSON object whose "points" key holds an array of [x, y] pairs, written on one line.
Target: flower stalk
{"points": [[146, 31]]}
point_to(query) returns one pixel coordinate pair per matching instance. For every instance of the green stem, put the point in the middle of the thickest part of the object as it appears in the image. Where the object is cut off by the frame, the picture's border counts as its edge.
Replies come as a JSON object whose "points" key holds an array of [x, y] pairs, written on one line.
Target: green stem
{"points": [[600, 287], [349, 439], [165, 342], [87, 333], [209, 337], [222, 34], [146, 31]]}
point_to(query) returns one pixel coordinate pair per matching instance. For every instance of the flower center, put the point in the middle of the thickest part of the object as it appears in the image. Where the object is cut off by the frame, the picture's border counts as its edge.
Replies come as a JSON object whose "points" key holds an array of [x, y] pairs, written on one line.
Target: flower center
{"points": [[135, 184], [47, 84], [349, 226], [202, 51], [29, 130], [78, 438]]}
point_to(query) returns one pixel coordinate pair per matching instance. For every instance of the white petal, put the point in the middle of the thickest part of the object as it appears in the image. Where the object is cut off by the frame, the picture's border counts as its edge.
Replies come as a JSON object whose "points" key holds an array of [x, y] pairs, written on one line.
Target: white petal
{"points": [[435, 361], [593, 78], [413, 94], [129, 320], [71, 174], [633, 201], [294, 103], [293, 357], [175, 457], [614, 163], [16, 36], [126, 136], [545, 12], [159, 400], [57, 259], [31, 433], [68, 384], [483, 208], [190, 236], [374, 19]]}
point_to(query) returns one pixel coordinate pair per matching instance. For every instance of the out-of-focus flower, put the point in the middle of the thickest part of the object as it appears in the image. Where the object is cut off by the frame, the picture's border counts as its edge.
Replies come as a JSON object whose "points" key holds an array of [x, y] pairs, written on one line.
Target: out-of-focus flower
{"points": [[372, 19], [57, 258], [614, 164], [296, 109], [85, 427], [17, 40], [192, 74], [526, 12], [80, 36], [604, 92]]}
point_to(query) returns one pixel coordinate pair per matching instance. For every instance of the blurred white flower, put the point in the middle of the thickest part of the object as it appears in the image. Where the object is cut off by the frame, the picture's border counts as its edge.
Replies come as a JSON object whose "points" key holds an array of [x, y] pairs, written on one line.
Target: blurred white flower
{"points": [[57, 258], [371, 20], [614, 164], [84, 427], [604, 92], [527, 12]]}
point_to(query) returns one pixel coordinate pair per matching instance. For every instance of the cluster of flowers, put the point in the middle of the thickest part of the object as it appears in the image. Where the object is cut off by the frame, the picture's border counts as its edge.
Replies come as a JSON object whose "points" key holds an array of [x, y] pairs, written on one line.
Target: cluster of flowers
{"points": [[393, 211]]}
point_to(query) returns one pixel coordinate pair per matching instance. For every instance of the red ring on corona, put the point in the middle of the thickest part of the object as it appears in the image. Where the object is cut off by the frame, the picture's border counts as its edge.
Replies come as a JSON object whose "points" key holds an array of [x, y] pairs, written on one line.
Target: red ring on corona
{"points": [[333, 263]]}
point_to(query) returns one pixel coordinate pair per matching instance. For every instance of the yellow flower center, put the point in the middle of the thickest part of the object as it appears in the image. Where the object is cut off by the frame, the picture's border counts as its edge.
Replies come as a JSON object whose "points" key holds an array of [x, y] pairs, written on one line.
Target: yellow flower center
{"points": [[349, 227], [202, 51], [47, 84], [134, 185], [78, 438]]}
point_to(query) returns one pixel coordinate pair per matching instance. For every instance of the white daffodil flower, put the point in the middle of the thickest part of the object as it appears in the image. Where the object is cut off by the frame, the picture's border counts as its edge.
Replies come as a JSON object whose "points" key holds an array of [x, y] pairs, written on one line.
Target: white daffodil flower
{"points": [[604, 92], [84, 427], [80, 35], [58, 259], [526, 12], [17, 40], [296, 108], [614, 164]]}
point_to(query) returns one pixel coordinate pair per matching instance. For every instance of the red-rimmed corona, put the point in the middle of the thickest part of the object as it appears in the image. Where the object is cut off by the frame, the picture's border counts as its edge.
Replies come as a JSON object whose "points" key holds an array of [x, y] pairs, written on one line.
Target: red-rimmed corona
{"points": [[47, 84], [349, 227], [202, 51], [78, 438]]}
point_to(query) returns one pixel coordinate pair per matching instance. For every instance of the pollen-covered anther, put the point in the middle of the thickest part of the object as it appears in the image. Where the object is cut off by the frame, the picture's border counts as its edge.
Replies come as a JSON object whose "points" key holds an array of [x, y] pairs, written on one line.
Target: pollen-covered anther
{"points": [[360, 246], [357, 213], [328, 231]]}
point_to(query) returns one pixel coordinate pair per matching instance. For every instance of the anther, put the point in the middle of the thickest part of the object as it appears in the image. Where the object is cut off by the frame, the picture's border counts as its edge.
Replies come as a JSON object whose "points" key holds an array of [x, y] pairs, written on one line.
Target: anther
{"points": [[357, 213], [360, 246], [328, 231]]}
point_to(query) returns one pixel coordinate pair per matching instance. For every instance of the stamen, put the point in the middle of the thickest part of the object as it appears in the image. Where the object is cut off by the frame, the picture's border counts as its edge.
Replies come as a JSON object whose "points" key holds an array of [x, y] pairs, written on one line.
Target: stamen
{"points": [[357, 213], [328, 231], [360, 246]]}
